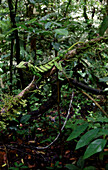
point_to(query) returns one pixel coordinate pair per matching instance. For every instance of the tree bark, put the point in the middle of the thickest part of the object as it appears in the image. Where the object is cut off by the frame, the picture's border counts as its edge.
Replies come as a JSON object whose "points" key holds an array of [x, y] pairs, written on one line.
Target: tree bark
{"points": [[13, 22]]}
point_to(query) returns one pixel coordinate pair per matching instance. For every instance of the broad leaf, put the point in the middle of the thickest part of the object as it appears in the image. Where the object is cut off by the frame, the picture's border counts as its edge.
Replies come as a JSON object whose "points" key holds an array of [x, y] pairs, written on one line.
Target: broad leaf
{"points": [[80, 162], [104, 79], [102, 132], [90, 168], [61, 32], [48, 25], [95, 147], [31, 21], [56, 46], [106, 89], [78, 130], [103, 26], [22, 26], [87, 137], [25, 118], [48, 16], [72, 167]]}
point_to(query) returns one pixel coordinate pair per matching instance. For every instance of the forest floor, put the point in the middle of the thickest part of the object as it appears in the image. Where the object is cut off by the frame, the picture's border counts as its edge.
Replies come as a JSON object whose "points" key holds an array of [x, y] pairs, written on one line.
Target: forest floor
{"points": [[18, 150]]}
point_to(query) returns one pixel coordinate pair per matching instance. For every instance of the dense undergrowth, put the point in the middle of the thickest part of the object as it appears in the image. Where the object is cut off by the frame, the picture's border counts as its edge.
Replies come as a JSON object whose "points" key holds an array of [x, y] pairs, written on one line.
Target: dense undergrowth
{"points": [[53, 107]]}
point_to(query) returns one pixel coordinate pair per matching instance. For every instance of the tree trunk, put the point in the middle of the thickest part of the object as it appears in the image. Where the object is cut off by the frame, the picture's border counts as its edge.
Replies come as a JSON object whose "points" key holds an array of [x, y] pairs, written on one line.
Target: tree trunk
{"points": [[13, 22]]}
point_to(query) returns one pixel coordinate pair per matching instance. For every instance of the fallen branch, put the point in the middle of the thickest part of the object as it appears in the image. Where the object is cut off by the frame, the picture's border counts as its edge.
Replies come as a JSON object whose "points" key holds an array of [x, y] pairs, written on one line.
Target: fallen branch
{"points": [[70, 105], [87, 88], [70, 54], [91, 98], [30, 87]]}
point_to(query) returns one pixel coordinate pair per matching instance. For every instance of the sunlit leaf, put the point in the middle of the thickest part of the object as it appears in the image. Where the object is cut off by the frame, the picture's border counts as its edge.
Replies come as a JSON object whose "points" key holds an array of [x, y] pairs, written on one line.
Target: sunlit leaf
{"points": [[106, 89], [48, 25], [95, 147], [31, 21], [48, 16], [87, 137], [104, 79], [63, 32]]}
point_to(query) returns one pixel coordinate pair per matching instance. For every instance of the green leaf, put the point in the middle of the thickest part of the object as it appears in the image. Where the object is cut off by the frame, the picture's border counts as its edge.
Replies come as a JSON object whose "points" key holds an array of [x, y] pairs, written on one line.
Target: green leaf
{"points": [[25, 118], [24, 167], [103, 26], [104, 79], [14, 168], [48, 16], [6, 56], [48, 25], [31, 21], [22, 26], [72, 167], [102, 132], [21, 132], [63, 32], [106, 89], [32, 2], [9, 32], [87, 137], [1, 71], [90, 168], [80, 162], [94, 147], [78, 130], [56, 46]]}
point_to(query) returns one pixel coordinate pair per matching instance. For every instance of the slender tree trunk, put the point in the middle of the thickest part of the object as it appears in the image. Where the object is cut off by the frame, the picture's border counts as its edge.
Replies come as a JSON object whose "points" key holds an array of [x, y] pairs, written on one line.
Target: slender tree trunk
{"points": [[67, 8], [85, 11], [107, 7], [13, 22]]}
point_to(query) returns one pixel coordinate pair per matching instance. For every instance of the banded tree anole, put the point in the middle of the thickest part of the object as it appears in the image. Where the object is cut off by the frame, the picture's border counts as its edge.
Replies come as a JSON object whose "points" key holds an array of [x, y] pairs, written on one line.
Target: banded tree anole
{"points": [[38, 70]]}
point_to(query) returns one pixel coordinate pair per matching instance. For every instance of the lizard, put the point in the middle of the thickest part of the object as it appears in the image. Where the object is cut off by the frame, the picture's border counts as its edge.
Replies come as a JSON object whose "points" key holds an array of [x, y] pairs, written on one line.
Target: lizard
{"points": [[39, 70]]}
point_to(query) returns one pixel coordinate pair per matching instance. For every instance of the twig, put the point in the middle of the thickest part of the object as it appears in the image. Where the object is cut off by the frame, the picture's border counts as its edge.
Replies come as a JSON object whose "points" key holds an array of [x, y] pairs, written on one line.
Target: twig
{"points": [[95, 103], [6, 161], [27, 89], [41, 148]]}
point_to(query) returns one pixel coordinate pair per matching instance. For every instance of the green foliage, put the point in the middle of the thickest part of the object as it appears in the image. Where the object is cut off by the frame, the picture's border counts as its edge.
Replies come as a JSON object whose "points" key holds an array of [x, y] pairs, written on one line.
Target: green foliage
{"points": [[62, 32], [18, 166], [87, 137], [96, 146], [25, 118], [80, 165], [78, 130], [11, 109], [104, 79], [44, 37], [71, 167], [103, 26]]}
